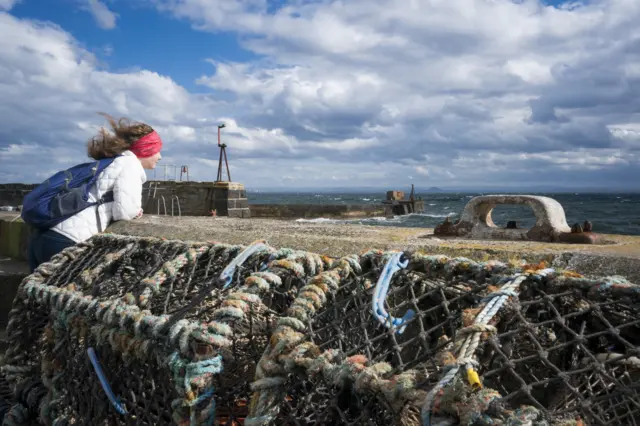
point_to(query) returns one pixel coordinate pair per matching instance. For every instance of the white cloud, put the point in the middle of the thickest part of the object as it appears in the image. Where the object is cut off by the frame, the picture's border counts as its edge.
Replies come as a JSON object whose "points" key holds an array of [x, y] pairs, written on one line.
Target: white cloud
{"points": [[421, 170], [7, 5], [488, 92], [457, 79], [51, 91], [105, 18]]}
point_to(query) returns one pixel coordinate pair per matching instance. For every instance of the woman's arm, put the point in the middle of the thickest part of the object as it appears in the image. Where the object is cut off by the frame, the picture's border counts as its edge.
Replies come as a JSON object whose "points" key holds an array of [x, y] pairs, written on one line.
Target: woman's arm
{"points": [[127, 193]]}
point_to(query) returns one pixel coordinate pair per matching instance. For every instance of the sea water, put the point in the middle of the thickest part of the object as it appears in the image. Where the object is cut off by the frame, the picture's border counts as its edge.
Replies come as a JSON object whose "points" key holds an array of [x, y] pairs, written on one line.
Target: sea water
{"points": [[609, 213]]}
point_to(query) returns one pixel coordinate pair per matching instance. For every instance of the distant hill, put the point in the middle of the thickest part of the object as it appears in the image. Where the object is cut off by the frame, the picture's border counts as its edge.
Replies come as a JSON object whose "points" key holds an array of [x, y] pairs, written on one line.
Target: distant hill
{"points": [[434, 189]]}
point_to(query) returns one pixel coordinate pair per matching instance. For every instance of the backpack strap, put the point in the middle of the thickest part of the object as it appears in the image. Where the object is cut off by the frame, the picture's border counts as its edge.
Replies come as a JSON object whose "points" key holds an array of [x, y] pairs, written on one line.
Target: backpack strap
{"points": [[106, 198]]}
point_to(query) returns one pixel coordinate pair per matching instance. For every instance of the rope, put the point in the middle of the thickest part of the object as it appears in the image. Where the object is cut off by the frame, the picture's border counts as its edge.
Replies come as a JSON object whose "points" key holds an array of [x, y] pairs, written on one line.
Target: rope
{"points": [[226, 276], [104, 383], [291, 353], [468, 339], [398, 261]]}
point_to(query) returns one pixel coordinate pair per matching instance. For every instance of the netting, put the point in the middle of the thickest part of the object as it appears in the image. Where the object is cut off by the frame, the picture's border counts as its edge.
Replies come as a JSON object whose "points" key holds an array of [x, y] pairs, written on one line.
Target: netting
{"points": [[143, 331], [166, 323], [473, 344]]}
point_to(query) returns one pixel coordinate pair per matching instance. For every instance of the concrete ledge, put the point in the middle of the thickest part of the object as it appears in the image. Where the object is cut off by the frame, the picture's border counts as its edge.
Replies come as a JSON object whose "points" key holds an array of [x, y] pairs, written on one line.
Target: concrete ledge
{"points": [[620, 258], [231, 186]]}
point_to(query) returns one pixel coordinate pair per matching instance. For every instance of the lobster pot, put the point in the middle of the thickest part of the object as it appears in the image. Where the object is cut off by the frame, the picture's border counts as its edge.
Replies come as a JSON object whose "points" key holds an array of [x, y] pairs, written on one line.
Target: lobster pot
{"points": [[250, 312], [89, 294], [560, 349], [169, 337], [106, 267], [21, 370], [569, 349]]}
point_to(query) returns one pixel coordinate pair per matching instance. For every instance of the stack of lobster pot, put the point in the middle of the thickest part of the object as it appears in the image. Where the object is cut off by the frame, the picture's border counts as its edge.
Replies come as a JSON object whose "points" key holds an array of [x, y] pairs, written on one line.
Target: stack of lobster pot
{"points": [[127, 330]]}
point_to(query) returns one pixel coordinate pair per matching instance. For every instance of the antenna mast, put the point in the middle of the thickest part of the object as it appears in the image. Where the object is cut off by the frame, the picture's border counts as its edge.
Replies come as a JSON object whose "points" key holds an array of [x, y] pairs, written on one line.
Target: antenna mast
{"points": [[223, 154]]}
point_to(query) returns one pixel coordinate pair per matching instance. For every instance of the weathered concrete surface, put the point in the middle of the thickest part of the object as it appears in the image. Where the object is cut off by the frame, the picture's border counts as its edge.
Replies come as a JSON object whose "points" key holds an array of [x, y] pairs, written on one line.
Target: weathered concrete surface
{"points": [[551, 223], [621, 258]]}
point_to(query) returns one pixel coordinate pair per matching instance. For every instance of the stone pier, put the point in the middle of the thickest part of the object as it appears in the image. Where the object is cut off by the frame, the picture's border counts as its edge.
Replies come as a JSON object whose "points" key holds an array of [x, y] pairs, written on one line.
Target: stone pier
{"points": [[230, 199], [171, 198]]}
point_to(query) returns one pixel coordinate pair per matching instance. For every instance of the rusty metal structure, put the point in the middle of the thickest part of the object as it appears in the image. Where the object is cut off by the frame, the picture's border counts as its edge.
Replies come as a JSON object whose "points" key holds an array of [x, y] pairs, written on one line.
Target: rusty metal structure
{"points": [[170, 173], [223, 157], [395, 203]]}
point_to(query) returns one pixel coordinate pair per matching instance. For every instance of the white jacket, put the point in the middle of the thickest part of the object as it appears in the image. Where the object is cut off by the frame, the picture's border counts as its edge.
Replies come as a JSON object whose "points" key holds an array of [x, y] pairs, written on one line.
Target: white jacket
{"points": [[125, 177]]}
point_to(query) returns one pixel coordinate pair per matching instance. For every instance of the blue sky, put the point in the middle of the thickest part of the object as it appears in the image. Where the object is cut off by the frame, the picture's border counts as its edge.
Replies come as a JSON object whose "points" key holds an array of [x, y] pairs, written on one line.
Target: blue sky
{"points": [[143, 38], [459, 93]]}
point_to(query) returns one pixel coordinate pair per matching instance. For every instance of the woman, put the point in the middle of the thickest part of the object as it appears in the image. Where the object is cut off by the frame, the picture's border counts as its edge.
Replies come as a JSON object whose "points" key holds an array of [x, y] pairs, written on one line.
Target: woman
{"points": [[136, 147]]}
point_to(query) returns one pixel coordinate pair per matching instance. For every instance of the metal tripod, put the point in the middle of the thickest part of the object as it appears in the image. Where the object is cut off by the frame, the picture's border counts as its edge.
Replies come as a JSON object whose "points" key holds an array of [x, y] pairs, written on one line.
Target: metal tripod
{"points": [[223, 155]]}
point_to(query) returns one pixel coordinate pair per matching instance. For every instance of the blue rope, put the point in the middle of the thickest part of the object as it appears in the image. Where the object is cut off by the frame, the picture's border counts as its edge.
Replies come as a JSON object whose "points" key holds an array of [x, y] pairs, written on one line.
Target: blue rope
{"points": [[212, 413], [103, 381], [396, 262], [265, 265], [227, 274]]}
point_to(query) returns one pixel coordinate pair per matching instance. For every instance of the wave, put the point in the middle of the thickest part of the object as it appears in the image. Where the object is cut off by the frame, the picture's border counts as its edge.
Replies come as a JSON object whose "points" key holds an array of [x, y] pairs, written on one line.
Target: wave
{"points": [[437, 215], [394, 219]]}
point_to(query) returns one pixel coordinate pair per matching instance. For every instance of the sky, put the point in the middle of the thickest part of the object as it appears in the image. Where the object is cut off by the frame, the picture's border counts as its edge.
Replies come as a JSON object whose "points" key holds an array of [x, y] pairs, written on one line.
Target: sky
{"points": [[505, 94]]}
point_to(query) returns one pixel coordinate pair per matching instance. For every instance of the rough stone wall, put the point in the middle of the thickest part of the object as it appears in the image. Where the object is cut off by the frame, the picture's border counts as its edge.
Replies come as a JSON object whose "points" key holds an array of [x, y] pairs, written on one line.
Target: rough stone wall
{"points": [[230, 199], [12, 194], [195, 198], [199, 198]]}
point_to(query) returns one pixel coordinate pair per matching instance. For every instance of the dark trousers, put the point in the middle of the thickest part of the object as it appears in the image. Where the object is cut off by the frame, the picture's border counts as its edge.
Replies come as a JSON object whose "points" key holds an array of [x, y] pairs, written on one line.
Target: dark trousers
{"points": [[44, 245]]}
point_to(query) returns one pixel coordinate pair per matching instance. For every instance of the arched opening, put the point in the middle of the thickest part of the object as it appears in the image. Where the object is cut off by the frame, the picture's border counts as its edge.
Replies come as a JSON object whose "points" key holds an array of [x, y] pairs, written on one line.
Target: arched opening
{"points": [[508, 215]]}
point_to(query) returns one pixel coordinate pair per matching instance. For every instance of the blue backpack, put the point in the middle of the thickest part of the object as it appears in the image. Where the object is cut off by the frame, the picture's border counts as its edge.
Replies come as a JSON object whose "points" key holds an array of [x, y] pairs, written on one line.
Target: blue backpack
{"points": [[65, 194]]}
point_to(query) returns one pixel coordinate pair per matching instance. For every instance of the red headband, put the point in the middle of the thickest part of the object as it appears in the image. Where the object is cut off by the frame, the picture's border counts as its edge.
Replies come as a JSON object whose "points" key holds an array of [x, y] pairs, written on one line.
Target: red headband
{"points": [[147, 146]]}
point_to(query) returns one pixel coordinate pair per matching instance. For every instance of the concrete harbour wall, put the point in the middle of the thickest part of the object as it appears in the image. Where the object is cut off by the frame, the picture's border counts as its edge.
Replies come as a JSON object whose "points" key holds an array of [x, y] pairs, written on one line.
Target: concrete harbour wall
{"points": [[622, 258], [12, 194], [175, 198], [293, 211], [200, 198]]}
